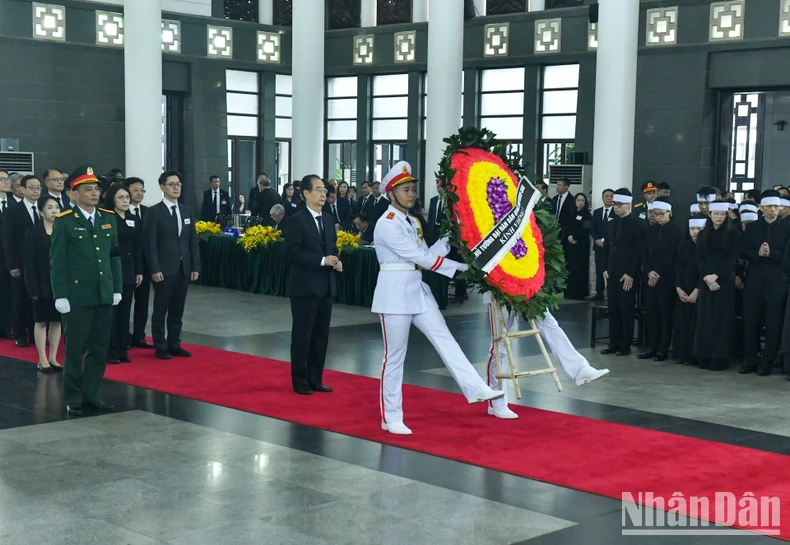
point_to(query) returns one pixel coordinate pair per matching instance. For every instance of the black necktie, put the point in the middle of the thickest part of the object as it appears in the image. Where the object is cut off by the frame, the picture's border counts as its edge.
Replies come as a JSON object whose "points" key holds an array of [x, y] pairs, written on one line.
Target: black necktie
{"points": [[90, 219], [5, 203], [175, 217], [214, 199], [334, 214], [439, 212], [318, 220], [35, 214], [605, 215]]}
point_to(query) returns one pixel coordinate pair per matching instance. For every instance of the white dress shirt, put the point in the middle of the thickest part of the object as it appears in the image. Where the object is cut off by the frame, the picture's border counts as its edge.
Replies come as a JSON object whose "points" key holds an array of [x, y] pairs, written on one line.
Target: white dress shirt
{"points": [[32, 210], [316, 217], [59, 198], [90, 217], [216, 199]]}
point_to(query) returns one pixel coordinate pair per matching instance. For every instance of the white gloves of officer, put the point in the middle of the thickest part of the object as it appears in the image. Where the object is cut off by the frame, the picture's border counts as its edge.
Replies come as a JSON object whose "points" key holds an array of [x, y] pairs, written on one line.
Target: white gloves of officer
{"points": [[441, 247], [62, 306], [116, 298], [462, 267]]}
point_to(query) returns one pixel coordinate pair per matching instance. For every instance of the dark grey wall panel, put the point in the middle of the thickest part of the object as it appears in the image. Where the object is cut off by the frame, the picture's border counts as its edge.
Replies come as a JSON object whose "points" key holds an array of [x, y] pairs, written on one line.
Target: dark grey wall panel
{"points": [[750, 69], [176, 77], [65, 109]]}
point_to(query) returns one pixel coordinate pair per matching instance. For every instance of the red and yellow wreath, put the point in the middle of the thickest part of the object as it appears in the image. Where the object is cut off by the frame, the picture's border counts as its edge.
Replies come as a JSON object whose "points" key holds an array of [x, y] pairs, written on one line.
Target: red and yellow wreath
{"points": [[481, 189]]}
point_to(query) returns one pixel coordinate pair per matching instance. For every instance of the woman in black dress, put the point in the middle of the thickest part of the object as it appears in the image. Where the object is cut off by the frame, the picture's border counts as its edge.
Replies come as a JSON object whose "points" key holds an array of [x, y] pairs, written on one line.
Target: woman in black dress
{"points": [[117, 198], [39, 285], [718, 247], [687, 280], [290, 203], [576, 240]]}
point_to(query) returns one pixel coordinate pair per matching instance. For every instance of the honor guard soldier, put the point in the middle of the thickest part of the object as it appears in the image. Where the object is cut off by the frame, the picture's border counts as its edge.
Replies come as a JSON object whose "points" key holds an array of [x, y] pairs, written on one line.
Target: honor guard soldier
{"points": [[621, 249], [86, 284], [765, 288], [402, 299], [642, 210]]}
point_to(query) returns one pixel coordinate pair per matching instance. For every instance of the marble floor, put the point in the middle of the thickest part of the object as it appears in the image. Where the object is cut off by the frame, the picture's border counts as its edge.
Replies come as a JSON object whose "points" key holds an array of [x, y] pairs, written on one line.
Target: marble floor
{"points": [[165, 469]]}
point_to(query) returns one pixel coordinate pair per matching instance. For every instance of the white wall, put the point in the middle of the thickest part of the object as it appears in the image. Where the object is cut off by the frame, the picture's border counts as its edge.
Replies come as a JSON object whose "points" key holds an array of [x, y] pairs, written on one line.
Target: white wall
{"points": [[776, 143], [191, 7]]}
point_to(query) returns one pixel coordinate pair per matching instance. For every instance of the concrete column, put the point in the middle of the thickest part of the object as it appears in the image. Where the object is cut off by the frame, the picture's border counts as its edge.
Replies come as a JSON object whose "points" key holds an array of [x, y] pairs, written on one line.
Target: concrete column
{"points": [[615, 95], [480, 7], [445, 71], [537, 5], [266, 12], [143, 93], [419, 11], [367, 13], [308, 89]]}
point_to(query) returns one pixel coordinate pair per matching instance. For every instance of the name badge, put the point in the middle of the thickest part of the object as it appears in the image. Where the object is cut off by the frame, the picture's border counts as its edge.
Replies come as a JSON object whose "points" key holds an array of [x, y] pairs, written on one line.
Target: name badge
{"points": [[293, 204], [642, 215], [187, 221], [106, 226], [130, 223], [80, 229], [224, 203], [611, 218], [578, 218]]}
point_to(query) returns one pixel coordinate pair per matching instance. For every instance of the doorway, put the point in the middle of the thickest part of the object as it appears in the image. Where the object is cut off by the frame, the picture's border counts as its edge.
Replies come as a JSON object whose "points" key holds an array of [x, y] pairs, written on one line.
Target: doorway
{"points": [[242, 166]]}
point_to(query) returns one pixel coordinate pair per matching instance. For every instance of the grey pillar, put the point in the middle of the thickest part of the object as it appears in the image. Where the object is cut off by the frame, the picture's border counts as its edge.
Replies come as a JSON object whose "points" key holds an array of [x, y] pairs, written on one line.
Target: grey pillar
{"points": [[364, 152], [531, 115], [415, 136], [471, 104], [267, 146]]}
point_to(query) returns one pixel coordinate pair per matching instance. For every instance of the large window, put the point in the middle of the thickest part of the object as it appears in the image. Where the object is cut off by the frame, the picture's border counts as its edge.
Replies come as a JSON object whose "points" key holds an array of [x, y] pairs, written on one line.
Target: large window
{"points": [[283, 110], [341, 128], [390, 128], [559, 98], [502, 102], [242, 100], [745, 166]]}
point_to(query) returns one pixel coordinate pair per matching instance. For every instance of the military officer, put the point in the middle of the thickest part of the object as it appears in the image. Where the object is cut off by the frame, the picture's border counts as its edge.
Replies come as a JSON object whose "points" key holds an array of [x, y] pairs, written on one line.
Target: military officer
{"points": [[402, 299], [642, 210], [86, 284]]}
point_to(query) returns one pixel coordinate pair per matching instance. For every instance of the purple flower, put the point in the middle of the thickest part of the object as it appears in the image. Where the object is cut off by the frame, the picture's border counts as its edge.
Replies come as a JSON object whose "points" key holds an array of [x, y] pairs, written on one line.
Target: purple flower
{"points": [[500, 206]]}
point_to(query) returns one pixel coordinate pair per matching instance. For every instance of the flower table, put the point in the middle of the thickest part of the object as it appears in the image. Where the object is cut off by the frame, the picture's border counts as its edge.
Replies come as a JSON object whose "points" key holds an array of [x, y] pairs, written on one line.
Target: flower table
{"points": [[265, 271]]}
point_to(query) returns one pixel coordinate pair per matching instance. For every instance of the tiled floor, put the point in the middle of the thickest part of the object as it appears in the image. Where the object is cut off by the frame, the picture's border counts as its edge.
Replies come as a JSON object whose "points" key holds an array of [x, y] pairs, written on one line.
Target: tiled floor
{"points": [[164, 469]]}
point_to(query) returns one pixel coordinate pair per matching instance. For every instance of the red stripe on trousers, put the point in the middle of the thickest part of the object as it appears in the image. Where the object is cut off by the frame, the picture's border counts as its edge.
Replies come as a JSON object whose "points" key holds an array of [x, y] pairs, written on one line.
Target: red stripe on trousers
{"points": [[383, 368]]}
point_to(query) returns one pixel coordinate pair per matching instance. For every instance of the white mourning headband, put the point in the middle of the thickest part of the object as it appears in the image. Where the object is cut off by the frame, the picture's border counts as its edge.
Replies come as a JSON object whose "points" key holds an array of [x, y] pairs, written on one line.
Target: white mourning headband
{"points": [[749, 216], [695, 208], [697, 222], [770, 201], [625, 199], [719, 206], [660, 205]]}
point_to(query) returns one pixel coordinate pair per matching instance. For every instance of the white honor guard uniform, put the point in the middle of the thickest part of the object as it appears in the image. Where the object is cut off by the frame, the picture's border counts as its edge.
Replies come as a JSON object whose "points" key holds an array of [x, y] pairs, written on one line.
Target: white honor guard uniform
{"points": [[402, 299], [574, 364]]}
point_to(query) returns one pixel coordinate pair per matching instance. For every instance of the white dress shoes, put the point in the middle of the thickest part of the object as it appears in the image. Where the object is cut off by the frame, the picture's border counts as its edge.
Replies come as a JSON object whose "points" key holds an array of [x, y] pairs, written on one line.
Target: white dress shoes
{"points": [[398, 428], [503, 412], [589, 374], [485, 393]]}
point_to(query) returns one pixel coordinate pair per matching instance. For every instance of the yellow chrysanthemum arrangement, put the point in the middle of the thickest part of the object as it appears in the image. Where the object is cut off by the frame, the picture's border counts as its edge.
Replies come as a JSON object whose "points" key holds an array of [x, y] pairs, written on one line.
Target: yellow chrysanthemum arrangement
{"points": [[347, 242], [259, 236], [208, 227]]}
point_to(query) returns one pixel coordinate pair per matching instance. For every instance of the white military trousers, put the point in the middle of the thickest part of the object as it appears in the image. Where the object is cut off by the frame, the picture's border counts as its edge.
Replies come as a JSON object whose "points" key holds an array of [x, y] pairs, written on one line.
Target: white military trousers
{"points": [[555, 338], [395, 330]]}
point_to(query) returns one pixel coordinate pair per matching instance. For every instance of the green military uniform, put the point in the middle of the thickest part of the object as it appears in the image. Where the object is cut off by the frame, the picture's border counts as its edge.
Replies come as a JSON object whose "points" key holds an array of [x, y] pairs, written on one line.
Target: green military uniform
{"points": [[87, 274], [640, 210]]}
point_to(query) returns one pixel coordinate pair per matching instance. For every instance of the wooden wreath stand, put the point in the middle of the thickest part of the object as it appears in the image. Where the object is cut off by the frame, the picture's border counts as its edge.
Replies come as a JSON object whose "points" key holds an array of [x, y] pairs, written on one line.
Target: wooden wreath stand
{"points": [[504, 337]]}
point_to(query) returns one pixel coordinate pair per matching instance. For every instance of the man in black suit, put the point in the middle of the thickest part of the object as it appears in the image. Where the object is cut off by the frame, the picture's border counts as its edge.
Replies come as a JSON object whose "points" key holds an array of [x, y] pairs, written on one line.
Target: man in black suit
{"points": [[340, 211], [142, 293], [265, 199], [380, 202], [312, 249], [364, 228], [367, 201], [216, 201], [436, 210], [544, 201], [563, 203], [621, 261], [171, 249], [21, 217], [277, 218], [54, 180], [6, 305], [600, 220]]}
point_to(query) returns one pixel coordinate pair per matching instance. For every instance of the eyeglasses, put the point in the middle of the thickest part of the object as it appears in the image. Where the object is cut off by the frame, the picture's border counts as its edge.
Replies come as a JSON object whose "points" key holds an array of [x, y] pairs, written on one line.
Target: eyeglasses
{"points": [[4, 180], [61, 179], [171, 185], [320, 190], [123, 197]]}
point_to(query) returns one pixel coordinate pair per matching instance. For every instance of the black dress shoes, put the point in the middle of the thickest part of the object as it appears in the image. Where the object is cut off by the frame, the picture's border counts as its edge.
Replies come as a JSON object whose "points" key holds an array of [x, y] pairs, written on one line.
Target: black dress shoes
{"points": [[163, 355], [141, 343], [179, 352], [100, 406], [303, 391], [321, 388], [124, 358], [646, 355], [75, 409], [609, 350], [745, 369], [660, 357], [626, 352], [112, 358], [47, 369], [21, 343]]}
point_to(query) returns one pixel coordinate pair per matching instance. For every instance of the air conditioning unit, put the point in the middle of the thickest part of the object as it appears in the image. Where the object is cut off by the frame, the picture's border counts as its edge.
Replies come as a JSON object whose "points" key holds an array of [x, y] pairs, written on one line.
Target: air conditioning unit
{"points": [[17, 161], [580, 176]]}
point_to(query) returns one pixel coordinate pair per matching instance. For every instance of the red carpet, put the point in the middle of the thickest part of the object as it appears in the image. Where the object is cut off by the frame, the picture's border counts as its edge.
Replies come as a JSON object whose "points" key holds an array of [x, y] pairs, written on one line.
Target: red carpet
{"points": [[575, 452]]}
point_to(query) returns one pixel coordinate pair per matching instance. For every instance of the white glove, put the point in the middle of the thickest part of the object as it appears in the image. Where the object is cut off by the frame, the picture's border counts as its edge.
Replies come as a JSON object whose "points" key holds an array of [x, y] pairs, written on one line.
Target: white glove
{"points": [[462, 267], [116, 298], [62, 306]]}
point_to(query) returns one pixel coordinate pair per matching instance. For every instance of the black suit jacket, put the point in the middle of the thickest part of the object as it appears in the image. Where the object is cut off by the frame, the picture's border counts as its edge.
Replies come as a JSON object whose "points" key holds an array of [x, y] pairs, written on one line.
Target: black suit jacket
{"points": [[208, 211], [269, 222], [264, 200], [344, 214], [622, 247], [598, 228], [366, 206], [37, 269], [165, 251], [15, 225], [568, 211], [660, 251], [131, 247], [66, 201], [305, 251], [433, 206], [379, 208], [767, 272]]}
